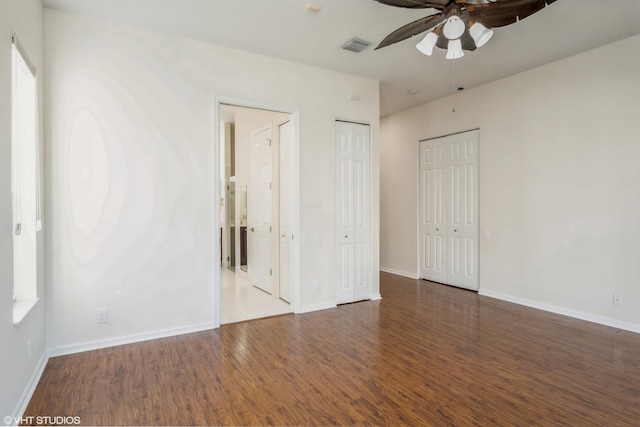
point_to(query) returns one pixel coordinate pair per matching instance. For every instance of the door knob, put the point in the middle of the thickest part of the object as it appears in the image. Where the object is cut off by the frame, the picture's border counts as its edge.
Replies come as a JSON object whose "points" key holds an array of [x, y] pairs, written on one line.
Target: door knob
{"points": [[346, 237], [252, 229]]}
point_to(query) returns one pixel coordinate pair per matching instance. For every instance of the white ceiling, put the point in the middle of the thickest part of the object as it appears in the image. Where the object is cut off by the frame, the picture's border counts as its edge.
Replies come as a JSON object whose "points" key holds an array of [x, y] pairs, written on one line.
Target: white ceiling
{"points": [[287, 30]]}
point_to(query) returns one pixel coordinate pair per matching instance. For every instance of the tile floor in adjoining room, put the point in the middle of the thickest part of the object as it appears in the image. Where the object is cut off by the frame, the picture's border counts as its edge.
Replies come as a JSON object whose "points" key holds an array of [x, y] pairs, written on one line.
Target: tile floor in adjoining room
{"points": [[242, 301]]}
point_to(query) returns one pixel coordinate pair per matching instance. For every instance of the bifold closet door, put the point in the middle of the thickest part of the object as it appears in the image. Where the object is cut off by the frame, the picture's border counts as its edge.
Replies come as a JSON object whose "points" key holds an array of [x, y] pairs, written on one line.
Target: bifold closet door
{"points": [[433, 245], [353, 207], [449, 210]]}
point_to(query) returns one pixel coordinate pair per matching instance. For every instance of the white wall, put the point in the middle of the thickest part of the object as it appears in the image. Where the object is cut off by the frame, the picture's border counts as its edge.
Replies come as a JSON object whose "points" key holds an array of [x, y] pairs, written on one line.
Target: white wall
{"points": [[17, 374], [558, 183], [130, 173]]}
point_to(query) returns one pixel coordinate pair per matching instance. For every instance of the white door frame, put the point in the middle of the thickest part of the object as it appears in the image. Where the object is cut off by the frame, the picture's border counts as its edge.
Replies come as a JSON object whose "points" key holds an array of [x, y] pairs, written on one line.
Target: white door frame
{"points": [[284, 231], [214, 179]]}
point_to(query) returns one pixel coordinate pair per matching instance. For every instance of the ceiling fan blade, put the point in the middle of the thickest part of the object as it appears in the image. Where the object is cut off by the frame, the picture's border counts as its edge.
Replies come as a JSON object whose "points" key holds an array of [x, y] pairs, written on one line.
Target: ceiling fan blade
{"points": [[474, 1], [416, 27], [416, 4], [505, 12]]}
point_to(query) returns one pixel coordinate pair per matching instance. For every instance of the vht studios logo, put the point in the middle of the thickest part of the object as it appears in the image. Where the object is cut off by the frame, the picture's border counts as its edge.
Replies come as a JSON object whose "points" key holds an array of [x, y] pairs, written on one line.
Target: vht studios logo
{"points": [[42, 420]]}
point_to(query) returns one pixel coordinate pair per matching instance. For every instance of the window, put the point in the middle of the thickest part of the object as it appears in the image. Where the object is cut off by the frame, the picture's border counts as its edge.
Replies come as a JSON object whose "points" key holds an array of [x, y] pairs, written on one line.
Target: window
{"points": [[25, 182]]}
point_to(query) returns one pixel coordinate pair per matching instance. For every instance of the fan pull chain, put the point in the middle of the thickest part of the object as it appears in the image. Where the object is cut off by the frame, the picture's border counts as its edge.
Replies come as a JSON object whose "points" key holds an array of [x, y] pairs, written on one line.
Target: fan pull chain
{"points": [[455, 80]]}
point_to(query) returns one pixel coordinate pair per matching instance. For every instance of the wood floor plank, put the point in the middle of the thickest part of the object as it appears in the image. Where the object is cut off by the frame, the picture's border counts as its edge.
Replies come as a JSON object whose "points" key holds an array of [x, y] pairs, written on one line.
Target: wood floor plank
{"points": [[426, 354]]}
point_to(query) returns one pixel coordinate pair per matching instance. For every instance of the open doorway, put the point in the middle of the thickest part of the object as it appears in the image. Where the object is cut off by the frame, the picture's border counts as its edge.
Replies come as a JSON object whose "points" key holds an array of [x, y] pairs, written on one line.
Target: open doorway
{"points": [[255, 212]]}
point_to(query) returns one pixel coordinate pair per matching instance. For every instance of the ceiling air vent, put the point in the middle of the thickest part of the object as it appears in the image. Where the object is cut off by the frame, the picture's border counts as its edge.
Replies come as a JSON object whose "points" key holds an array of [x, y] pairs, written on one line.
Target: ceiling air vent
{"points": [[356, 45]]}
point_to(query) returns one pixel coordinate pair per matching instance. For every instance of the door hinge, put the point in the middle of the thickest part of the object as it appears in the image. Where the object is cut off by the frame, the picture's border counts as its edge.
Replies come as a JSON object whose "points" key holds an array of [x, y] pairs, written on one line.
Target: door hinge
{"points": [[270, 272], [270, 186], [270, 229]]}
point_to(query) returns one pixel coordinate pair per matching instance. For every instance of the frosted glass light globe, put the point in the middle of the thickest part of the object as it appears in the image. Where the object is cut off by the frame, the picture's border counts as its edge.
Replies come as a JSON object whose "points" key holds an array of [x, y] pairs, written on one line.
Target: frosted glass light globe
{"points": [[454, 28]]}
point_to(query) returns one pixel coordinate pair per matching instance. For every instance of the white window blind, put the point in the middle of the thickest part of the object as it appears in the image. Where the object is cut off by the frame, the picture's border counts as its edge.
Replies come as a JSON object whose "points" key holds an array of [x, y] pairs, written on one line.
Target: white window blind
{"points": [[25, 178]]}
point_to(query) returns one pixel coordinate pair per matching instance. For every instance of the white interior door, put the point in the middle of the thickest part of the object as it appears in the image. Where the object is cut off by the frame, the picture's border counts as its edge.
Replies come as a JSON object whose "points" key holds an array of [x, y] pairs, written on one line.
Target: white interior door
{"points": [[432, 227], [286, 139], [449, 210], [260, 212], [463, 212], [353, 207], [361, 212]]}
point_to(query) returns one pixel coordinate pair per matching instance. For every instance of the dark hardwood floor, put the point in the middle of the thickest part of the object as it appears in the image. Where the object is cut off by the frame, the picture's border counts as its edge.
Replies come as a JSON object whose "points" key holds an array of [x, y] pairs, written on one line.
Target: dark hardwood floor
{"points": [[426, 354]]}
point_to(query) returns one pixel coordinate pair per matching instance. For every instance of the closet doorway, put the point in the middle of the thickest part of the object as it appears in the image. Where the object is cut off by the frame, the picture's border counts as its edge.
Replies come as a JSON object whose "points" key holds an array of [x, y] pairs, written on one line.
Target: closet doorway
{"points": [[353, 212], [448, 217], [255, 225]]}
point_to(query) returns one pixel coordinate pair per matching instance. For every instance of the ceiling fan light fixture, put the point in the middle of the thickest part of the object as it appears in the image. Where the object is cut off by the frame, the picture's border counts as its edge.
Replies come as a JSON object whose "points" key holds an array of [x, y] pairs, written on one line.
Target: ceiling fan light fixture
{"points": [[454, 49], [427, 44], [480, 34], [454, 28]]}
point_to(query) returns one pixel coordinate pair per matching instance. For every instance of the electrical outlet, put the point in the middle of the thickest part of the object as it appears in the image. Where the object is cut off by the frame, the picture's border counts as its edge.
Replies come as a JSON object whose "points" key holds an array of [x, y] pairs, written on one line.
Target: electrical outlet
{"points": [[29, 351], [315, 286], [102, 316], [617, 299]]}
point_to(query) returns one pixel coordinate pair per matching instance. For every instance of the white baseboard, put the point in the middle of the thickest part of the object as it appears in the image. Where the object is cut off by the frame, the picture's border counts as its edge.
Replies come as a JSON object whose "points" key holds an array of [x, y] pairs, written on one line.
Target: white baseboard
{"points": [[316, 307], [31, 387], [399, 273], [563, 311], [128, 339], [326, 306]]}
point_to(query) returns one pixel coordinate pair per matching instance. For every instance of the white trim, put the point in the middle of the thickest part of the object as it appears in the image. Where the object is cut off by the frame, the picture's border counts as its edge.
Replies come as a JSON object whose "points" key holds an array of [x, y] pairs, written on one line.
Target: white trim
{"points": [[601, 320], [258, 105], [38, 163], [376, 297], [214, 180], [25, 398], [23, 54], [316, 307], [294, 170], [21, 308], [128, 339], [399, 273]]}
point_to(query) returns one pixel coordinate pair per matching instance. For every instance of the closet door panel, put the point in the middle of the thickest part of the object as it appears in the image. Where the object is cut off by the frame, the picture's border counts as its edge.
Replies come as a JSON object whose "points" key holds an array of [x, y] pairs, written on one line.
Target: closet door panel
{"points": [[432, 225], [463, 222], [353, 199], [449, 210]]}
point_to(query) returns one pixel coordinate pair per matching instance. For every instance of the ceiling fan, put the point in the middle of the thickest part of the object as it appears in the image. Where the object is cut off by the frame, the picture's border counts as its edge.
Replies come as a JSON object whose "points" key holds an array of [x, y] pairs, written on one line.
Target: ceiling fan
{"points": [[460, 24]]}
